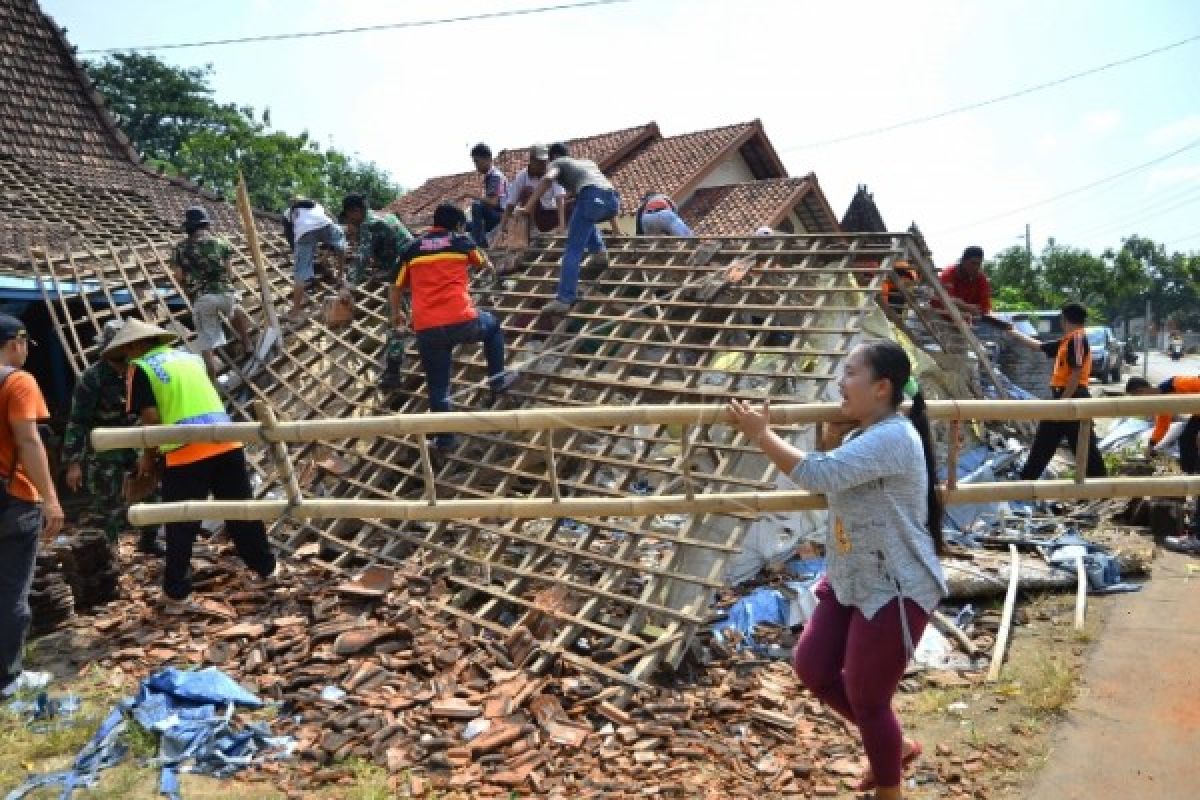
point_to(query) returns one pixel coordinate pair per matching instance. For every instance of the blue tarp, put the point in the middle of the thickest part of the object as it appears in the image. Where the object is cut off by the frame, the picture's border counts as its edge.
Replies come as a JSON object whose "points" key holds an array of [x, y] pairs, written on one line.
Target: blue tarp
{"points": [[771, 606], [192, 712]]}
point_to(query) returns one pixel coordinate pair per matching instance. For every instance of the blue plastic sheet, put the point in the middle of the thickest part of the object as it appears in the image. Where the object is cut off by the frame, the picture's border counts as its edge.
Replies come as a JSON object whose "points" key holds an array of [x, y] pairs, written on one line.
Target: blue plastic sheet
{"points": [[770, 606], [192, 711]]}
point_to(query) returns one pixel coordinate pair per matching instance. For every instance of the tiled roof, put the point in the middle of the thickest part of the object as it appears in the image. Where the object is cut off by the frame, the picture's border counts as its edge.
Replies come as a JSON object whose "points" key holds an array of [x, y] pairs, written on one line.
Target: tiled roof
{"points": [[741, 208], [606, 149], [676, 163], [64, 164], [862, 216]]}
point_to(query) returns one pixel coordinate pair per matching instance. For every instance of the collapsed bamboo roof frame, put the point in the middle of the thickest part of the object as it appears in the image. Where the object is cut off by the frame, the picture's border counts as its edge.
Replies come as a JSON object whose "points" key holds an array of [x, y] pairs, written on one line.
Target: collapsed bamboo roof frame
{"points": [[636, 586]]}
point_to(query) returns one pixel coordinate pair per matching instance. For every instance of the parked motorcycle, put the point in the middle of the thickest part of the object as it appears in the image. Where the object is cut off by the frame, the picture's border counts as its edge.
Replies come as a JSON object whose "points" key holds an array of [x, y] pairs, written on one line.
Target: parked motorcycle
{"points": [[1175, 349], [1130, 353]]}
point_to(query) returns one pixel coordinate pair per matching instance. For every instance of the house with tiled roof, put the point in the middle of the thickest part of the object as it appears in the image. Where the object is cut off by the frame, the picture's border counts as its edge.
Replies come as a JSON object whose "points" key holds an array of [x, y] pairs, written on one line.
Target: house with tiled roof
{"points": [[67, 172], [726, 181]]}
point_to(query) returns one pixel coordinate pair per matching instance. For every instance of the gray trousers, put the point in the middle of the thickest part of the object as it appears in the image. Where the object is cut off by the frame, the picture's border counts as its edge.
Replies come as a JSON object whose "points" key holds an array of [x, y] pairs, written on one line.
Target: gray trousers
{"points": [[20, 527]]}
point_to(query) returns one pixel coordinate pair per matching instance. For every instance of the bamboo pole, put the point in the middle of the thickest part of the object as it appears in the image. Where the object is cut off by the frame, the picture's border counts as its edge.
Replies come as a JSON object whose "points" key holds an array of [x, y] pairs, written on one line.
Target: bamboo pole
{"points": [[1082, 442], [1010, 604], [260, 268], [952, 455], [1080, 593], [279, 452], [749, 503], [541, 419]]}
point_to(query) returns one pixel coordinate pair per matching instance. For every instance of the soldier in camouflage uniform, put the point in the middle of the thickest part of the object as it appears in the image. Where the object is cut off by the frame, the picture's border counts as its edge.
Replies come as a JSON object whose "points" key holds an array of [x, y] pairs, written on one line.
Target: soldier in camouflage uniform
{"points": [[381, 239], [201, 264], [99, 401]]}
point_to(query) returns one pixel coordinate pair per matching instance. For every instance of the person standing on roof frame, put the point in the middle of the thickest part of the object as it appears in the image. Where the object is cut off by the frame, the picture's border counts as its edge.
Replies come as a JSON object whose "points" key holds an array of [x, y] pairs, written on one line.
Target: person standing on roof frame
{"points": [[201, 263], [434, 268], [658, 216], [883, 577], [549, 214], [596, 201]]}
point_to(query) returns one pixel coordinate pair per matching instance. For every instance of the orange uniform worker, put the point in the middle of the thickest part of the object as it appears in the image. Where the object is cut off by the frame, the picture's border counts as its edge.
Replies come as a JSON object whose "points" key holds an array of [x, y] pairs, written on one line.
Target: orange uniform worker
{"points": [[1072, 371], [1189, 448]]}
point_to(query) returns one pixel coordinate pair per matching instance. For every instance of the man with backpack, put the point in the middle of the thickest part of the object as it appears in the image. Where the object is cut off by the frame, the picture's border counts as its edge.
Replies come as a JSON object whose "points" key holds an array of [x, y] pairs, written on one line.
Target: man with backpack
{"points": [[27, 494]]}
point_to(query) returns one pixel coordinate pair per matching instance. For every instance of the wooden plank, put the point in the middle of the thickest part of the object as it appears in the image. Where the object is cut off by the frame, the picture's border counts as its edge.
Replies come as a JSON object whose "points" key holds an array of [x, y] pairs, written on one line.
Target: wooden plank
{"points": [[1006, 617]]}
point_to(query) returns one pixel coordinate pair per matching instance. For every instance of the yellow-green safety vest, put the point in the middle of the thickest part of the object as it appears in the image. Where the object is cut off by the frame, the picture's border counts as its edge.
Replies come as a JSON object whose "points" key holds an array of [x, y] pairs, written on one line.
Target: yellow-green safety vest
{"points": [[182, 390]]}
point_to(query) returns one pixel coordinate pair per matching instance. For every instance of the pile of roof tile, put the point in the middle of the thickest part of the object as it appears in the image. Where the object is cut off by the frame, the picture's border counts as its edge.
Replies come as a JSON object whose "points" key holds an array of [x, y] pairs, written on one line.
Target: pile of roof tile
{"points": [[50, 599], [369, 668]]}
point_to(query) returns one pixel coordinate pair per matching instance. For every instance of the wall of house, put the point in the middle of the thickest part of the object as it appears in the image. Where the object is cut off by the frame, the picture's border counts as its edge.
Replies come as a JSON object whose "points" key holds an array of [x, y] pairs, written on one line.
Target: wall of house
{"points": [[732, 170]]}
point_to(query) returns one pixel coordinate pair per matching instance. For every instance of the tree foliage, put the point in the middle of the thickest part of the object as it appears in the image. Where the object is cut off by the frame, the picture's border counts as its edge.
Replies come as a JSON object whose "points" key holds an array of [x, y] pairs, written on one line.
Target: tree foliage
{"points": [[1114, 284], [173, 119]]}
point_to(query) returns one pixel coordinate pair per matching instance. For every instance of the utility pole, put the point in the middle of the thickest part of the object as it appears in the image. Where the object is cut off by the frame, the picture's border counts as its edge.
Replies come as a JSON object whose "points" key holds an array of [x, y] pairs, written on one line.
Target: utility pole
{"points": [[1146, 328], [1028, 247]]}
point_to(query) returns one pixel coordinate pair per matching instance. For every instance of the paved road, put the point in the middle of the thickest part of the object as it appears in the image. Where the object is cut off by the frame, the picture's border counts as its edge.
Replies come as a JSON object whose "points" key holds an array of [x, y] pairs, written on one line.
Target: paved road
{"points": [[1135, 730], [1161, 368]]}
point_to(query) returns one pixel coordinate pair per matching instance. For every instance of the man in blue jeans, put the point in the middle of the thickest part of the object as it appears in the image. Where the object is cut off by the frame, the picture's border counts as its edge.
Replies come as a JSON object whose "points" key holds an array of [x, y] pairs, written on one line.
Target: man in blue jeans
{"points": [[29, 506], [487, 211], [596, 201], [434, 268]]}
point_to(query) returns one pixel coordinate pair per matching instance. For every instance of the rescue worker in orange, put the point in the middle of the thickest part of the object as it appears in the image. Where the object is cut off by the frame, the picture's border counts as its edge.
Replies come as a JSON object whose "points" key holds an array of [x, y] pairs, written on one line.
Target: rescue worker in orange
{"points": [[1189, 447], [1072, 371]]}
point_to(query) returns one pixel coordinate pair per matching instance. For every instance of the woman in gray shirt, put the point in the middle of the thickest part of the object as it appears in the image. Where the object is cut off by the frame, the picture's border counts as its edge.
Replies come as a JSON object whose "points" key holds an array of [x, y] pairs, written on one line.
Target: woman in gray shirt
{"points": [[885, 533]]}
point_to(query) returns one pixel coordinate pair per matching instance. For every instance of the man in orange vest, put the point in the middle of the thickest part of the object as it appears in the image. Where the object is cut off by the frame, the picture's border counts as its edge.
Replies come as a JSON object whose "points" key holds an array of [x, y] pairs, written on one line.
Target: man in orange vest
{"points": [[1072, 371], [1189, 447]]}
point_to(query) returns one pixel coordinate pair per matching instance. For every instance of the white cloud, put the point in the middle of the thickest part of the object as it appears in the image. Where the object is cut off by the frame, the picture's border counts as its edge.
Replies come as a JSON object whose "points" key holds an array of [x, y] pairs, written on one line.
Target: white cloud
{"points": [[1176, 132], [1102, 121]]}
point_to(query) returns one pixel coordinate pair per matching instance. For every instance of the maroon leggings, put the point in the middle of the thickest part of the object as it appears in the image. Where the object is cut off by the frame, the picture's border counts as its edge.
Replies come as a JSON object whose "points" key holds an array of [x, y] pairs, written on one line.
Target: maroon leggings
{"points": [[854, 664]]}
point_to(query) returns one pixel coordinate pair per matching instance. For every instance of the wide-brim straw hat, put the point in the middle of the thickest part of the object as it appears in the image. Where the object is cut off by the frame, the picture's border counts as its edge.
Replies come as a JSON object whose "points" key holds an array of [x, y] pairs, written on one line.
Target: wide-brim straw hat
{"points": [[134, 330]]}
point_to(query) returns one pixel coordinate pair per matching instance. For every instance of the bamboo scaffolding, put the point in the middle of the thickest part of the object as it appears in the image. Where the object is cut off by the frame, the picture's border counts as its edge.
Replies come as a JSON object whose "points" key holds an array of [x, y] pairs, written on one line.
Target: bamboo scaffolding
{"points": [[603, 416], [655, 505]]}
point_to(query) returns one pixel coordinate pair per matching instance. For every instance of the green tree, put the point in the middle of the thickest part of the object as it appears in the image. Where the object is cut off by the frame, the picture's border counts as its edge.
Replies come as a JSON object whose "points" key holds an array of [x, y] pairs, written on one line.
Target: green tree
{"points": [[1016, 282], [171, 117]]}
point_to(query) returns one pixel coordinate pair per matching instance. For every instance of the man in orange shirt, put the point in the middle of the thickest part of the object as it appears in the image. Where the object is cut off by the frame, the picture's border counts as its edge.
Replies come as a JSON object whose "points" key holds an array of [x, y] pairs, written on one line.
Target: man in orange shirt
{"points": [[1189, 447], [170, 386], [434, 268], [29, 502], [1072, 370]]}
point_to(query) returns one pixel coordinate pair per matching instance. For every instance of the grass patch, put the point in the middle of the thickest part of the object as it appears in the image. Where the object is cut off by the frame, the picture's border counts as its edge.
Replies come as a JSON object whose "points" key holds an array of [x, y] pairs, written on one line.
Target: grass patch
{"points": [[1047, 685], [935, 701]]}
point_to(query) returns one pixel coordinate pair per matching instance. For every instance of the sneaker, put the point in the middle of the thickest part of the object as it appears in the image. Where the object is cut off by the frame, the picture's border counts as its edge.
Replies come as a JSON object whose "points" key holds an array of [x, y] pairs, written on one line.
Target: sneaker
{"points": [[1188, 545], [556, 306]]}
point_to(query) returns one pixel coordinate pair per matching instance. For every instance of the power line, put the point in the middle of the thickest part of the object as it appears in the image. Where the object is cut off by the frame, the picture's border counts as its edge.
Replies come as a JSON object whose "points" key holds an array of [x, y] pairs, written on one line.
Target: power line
{"points": [[1145, 211], [1076, 190], [993, 100], [425, 23]]}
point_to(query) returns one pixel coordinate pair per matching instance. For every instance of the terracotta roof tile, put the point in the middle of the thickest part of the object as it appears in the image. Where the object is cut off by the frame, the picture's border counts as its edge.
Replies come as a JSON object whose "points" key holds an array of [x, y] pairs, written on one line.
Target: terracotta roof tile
{"points": [[672, 164], [738, 209]]}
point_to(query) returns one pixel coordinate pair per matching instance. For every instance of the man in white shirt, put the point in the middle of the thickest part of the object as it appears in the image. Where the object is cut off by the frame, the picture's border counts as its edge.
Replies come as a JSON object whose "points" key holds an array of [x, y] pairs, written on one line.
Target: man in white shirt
{"points": [[550, 212], [306, 225]]}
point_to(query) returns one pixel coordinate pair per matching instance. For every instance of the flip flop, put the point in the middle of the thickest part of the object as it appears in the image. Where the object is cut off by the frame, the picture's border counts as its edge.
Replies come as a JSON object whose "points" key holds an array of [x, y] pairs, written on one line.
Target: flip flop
{"points": [[868, 780]]}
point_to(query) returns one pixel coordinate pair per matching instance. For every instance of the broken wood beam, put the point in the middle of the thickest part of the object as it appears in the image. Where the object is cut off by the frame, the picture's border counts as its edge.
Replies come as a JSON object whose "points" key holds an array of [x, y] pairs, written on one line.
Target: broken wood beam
{"points": [[1006, 618]]}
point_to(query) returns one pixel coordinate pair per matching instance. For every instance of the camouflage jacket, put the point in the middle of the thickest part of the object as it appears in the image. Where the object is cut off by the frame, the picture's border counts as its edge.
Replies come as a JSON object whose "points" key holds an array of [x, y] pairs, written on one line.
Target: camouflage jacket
{"points": [[98, 401], [204, 262], [381, 240]]}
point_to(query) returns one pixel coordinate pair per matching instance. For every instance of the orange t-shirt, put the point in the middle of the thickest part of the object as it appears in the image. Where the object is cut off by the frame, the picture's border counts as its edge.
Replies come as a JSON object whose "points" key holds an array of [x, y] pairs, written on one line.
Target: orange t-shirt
{"points": [[20, 401]]}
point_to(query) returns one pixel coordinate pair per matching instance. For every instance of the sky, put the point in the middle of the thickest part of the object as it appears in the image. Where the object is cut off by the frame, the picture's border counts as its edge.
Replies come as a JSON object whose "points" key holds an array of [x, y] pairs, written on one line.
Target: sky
{"points": [[415, 100]]}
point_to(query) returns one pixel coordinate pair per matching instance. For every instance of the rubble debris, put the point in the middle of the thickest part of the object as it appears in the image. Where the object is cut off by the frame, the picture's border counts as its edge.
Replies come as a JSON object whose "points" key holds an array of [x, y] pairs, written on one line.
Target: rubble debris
{"points": [[443, 703]]}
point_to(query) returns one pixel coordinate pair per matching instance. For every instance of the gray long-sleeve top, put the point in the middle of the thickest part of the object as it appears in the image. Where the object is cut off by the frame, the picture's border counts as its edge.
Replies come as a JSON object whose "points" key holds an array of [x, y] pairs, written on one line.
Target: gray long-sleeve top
{"points": [[879, 543]]}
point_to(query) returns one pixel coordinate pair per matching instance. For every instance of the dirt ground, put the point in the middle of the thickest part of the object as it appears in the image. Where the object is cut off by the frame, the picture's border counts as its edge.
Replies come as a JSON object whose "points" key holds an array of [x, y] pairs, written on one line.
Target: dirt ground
{"points": [[998, 736]]}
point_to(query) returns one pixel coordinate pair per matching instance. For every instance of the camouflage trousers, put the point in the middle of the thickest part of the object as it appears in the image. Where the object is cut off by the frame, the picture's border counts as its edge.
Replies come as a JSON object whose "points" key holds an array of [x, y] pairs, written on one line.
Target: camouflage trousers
{"points": [[393, 346], [106, 484]]}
